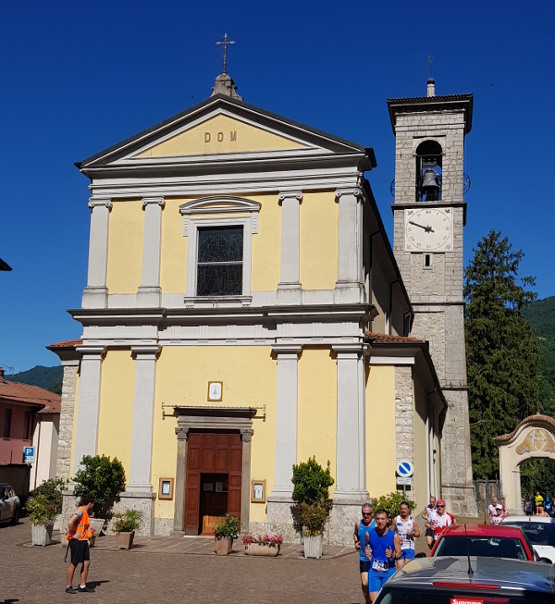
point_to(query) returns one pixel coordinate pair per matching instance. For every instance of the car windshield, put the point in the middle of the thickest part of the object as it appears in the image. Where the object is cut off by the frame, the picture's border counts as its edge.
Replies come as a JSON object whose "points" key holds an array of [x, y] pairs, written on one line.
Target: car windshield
{"points": [[539, 533], [421, 595], [497, 547]]}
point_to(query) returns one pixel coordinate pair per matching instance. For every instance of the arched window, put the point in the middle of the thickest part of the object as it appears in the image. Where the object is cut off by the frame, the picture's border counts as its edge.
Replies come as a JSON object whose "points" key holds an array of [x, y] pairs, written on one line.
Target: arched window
{"points": [[428, 171]]}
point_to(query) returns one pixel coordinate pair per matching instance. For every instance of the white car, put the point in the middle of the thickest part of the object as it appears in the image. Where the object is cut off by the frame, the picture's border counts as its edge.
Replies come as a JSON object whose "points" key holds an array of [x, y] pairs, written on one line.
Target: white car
{"points": [[540, 531], [9, 504]]}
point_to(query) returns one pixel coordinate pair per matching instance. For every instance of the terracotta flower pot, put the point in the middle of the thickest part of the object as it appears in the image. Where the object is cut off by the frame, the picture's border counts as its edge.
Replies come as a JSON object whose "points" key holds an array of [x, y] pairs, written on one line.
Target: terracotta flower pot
{"points": [[223, 545], [125, 540]]}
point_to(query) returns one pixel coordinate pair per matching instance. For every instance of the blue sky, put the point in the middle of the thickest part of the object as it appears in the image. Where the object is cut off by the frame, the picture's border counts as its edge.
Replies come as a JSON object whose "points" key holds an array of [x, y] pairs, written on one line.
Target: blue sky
{"points": [[79, 77]]}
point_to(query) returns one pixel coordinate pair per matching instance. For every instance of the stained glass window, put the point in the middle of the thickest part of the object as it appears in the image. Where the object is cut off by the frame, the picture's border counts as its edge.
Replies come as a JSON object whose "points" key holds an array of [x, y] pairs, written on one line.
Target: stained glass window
{"points": [[220, 261]]}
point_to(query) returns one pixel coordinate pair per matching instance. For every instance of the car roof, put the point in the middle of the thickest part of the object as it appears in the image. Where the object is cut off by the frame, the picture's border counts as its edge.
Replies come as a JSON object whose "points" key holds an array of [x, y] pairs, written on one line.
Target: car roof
{"points": [[481, 530], [508, 573], [515, 518]]}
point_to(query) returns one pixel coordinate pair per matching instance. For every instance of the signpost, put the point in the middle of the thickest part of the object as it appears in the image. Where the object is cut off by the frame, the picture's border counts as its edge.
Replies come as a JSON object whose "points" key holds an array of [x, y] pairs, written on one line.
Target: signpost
{"points": [[404, 471], [29, 455]]}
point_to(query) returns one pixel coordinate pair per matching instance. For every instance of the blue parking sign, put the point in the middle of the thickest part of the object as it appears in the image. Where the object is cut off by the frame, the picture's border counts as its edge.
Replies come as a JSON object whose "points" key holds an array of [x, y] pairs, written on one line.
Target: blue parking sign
{"points": [[29, 454]]}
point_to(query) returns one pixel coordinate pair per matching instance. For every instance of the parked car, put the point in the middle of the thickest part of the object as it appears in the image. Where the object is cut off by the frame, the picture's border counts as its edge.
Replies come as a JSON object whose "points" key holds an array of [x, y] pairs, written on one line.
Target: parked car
{"points": [[9, 504], [484, 540], [470, 580], [540, 532]]}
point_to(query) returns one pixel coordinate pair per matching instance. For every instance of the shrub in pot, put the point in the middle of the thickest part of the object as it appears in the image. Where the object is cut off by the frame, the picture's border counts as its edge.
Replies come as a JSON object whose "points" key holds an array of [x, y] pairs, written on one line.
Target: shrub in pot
{"points": [[226, 530], [125, 525], [42, 513], [311, 485], [104, 479]]}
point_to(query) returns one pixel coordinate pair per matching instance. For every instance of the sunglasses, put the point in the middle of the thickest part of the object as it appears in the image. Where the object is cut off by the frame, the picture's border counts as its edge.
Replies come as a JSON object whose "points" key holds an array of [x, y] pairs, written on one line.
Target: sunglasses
{"points": [[369, 514], [440, 506]]}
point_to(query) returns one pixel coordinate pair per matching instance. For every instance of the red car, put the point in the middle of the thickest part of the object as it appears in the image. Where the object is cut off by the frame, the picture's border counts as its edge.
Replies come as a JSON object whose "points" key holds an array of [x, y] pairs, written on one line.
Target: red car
{"points": [[484, 540]]}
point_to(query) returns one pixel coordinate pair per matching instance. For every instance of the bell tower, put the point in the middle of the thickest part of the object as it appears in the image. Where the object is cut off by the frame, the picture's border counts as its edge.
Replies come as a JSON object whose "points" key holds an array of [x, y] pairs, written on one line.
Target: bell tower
{"points": [[429, 217]]}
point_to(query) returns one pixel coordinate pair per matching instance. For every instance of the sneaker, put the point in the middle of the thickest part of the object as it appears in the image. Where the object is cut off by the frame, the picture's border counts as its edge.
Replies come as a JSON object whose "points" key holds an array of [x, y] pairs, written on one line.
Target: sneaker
{"points": [[70, 590], [88, 589]]}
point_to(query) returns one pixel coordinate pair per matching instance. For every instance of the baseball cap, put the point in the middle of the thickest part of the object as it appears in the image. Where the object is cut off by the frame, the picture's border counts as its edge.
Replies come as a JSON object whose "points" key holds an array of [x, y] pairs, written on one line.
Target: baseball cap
{"points": [[440, 502]]}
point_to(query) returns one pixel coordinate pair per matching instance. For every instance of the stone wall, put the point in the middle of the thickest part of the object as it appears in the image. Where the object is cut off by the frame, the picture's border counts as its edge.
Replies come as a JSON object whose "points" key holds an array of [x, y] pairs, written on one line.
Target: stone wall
{"points": [[65, 436]]}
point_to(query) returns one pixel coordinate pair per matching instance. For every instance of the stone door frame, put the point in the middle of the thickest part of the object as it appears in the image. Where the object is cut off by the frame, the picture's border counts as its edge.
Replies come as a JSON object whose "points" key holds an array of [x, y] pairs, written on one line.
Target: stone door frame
{"points": [[533, 438], [212, 419]]}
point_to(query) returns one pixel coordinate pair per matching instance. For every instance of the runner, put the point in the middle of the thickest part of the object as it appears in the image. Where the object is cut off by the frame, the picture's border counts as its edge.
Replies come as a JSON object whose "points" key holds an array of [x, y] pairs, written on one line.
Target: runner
{"points": [[386, 548], [361, 530], [407, 529], [431, 507], [440, 520]]}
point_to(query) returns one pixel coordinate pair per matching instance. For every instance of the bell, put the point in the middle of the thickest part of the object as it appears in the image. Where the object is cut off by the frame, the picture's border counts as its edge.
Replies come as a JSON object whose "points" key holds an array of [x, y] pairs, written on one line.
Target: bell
{"points": [[429, 180]]}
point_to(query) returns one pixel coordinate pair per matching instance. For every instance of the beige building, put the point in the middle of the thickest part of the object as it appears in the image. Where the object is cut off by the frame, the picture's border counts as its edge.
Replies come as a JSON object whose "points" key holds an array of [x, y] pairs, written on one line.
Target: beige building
{"points": [[244, 311]]}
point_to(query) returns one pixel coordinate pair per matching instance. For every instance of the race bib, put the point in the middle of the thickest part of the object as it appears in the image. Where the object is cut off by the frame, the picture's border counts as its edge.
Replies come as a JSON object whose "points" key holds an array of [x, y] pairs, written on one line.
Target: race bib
{"points": [[381, 566]]}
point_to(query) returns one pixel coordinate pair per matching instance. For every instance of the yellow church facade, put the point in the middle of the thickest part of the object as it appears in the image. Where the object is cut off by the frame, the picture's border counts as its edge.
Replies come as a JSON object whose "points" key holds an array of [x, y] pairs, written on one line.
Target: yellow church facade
{"points": [[244, 312]]}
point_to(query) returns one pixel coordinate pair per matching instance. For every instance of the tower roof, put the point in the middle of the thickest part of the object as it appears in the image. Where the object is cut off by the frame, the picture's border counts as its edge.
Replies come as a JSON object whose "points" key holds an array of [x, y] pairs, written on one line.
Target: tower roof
{"points": [[451, 102]]}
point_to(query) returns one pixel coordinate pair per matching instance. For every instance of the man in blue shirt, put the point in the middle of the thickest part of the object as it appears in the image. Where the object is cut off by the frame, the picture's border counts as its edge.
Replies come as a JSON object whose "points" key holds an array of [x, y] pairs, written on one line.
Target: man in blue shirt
{"points": [[361, 530], [386, 548]]}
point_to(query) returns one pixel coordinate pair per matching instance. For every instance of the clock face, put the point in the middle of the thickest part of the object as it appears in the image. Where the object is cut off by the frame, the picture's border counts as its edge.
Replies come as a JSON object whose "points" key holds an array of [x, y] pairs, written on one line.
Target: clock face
{"points": [[428, 230]]}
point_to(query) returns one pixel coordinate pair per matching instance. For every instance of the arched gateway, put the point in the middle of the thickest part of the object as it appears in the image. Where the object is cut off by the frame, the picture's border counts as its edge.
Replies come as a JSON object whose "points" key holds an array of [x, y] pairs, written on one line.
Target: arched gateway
{"points": [[533, 437]]}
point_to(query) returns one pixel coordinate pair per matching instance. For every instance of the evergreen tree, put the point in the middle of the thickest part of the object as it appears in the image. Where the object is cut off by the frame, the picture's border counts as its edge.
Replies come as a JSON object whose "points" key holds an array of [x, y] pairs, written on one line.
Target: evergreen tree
{"points": [[502, 352]]}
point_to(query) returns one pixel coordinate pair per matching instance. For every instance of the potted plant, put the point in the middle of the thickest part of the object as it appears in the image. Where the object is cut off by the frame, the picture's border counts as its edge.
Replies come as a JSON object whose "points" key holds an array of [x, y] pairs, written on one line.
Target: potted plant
{"points": [[125, 525], [104, 479], [42, 512], [258, 545], [226, 530], [311, 485]]}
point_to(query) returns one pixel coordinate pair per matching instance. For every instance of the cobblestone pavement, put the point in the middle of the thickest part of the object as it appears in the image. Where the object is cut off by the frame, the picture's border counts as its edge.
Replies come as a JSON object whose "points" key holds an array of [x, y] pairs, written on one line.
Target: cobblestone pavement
{"points": [[174, 570], [168, 569]]}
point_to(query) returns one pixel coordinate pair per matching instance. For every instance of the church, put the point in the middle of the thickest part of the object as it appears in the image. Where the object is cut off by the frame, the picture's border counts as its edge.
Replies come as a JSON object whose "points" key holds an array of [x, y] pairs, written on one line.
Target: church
{"points": [[245, 310]]}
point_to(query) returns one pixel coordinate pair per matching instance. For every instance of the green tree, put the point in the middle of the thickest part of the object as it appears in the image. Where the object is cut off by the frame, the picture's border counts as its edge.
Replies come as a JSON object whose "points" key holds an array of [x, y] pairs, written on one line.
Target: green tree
{"points": [[502, 352], [103, 478]]}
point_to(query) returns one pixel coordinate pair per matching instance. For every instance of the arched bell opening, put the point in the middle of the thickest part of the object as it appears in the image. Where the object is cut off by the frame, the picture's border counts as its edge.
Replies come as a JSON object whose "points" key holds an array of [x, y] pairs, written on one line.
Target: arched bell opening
{"points": [[428, 171]]}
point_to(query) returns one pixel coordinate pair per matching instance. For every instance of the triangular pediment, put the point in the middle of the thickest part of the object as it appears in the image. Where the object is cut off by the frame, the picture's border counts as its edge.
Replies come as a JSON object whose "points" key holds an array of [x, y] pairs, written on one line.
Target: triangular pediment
{"points": [[220, 134], [216, 130]]}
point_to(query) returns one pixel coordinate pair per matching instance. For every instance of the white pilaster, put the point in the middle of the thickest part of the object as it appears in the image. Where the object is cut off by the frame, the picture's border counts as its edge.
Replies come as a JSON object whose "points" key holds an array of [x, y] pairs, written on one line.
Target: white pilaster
{"points": [[86, 428], [143, 419], [351, 445], [149, 290], [286, 418], [349, 286], [289, 287], [95, 294]]}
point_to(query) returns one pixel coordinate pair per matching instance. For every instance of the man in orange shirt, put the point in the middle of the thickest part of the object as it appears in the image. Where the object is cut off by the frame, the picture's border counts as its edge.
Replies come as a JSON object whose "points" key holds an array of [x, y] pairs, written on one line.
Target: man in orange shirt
{"points": [[78, 535]]}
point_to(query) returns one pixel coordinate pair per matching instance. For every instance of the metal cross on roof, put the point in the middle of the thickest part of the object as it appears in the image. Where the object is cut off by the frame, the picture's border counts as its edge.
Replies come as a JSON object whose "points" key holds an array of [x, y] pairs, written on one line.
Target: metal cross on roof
{"points": [[431, 59], [225, 43]]}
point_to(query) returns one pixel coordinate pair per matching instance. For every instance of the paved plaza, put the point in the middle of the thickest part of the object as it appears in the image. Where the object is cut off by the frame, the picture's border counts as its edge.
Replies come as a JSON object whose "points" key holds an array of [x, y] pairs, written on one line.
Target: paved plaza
{"points": [[167, 569]]}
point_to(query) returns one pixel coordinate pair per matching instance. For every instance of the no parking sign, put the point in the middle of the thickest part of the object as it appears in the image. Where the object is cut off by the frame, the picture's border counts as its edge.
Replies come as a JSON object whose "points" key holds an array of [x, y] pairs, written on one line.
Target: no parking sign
{"points": [[405, 470]]}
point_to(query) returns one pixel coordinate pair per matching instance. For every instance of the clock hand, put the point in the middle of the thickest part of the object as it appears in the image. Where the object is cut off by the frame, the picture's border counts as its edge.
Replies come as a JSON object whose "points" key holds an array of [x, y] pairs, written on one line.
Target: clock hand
{"points": [[428, 228]]}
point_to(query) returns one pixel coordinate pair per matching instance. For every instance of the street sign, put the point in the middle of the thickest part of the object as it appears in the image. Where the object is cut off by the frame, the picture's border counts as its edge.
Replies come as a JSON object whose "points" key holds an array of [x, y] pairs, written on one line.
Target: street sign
{"points": [[29, 454], [404, 480], [405, 469]]}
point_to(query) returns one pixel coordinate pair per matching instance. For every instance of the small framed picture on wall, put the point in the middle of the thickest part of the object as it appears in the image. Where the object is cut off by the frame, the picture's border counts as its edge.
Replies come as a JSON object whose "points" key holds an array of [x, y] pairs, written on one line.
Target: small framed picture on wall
{"points": [[165, 488], [258, 491]]}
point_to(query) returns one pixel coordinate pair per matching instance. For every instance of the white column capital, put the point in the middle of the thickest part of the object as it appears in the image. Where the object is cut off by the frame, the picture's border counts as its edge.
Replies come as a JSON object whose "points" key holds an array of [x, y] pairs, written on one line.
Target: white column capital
{"points": [[298, 195], [287, 349], [161, 201], [145, 352], [345, 350], [93, 353], [353, 192], [95, 202]]}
